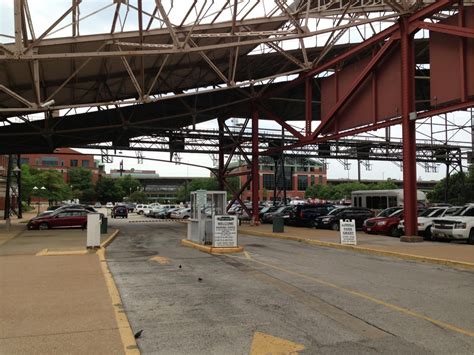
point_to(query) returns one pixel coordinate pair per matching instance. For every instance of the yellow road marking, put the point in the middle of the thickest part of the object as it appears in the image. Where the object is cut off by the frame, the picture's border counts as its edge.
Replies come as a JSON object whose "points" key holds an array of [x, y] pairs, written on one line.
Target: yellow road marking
{"points": [[160, 260], [247, 256], [264, 344], [126, 333], [372, 299]]}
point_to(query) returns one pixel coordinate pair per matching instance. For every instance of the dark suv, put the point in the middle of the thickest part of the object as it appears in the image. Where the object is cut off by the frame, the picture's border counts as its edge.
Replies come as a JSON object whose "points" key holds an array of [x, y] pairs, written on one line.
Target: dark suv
{"points": [[119, 211], [331, 220], [304, 215]]}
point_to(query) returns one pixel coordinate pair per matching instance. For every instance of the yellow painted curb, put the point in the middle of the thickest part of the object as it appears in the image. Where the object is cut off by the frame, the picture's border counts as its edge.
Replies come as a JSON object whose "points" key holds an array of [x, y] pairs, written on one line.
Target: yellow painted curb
{"points": [[110, 239], [47, 252], [425, 259], [210, 249], [126, 334]]}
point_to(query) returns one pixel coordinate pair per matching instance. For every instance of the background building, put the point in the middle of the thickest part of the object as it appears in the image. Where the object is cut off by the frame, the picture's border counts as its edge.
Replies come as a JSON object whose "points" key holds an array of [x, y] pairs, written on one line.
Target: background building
{"points": [[63, 159], [157, 188], [299, 174]]}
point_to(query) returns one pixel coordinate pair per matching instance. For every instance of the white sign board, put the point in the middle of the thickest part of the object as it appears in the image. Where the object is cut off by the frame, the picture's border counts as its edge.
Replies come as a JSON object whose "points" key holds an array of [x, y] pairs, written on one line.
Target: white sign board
{"points": [[93, 230], [225, 231], [348, 232]]}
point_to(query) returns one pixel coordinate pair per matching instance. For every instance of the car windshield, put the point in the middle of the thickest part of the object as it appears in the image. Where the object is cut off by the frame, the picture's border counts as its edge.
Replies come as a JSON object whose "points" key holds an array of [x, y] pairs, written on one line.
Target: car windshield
{"points": [[389, 211], [396, 213], [429, 212], [281, 209], [461, 211], [335, 211]]}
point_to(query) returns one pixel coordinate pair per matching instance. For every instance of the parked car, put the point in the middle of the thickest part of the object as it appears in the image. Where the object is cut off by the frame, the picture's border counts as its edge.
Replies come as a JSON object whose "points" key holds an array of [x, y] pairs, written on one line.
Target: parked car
{"points": [[109, 205], [425, 219], [142, 209], [304, 214], [459, 226], [267, 209], [130, 206], [60, 219], [331, 220], [183, 213], [283, 211], [170, 211], [386, 225], [119, 211], [98, 205]]}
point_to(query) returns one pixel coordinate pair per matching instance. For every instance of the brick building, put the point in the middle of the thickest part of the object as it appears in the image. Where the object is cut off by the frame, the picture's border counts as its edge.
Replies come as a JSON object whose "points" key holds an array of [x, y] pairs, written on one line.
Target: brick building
{"points": [[63, 159], [299, 174]]}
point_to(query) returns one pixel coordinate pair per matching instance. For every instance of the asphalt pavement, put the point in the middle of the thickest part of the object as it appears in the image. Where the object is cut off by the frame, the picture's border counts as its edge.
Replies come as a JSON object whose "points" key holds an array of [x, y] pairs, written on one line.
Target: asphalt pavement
{"points": [[286, 295]]}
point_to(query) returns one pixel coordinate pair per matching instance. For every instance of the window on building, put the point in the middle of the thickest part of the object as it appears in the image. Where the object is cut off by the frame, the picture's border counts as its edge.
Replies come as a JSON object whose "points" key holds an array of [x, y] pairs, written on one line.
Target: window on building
{"points": [[302, 182], [49, 161], [268, 181], [24, 161], [320, 179], [313, 179], [74, 162], [85, 163]]}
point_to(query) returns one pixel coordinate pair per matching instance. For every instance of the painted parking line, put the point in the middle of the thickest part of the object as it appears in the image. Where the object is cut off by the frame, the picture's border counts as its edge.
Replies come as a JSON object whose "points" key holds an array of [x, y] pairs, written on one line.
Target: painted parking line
{"points": [[365, 296]]}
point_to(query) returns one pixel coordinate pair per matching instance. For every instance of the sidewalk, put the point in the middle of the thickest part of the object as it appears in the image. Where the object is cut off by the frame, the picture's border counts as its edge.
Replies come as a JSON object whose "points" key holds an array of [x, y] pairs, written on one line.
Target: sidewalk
{"points": [[454, 254], [54, 304]]}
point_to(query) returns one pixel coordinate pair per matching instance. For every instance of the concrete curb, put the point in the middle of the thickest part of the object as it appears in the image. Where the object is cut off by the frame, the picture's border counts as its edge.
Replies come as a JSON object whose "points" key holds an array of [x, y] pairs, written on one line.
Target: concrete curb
{"points": [[210, 249], [403, 256], [110, 239], [47, 252], [130, 346]]}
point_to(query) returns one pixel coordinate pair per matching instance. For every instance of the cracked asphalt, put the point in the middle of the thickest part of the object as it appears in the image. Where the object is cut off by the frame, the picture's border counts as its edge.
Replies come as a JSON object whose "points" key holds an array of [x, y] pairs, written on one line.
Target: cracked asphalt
{"points": [[330, 301]]}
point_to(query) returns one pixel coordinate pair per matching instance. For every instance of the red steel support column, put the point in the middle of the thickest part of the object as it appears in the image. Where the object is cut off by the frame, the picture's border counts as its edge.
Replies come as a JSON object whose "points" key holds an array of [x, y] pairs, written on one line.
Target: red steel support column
{"points": [[409, 131], [221, 167], [255, 175], [309, 105]]}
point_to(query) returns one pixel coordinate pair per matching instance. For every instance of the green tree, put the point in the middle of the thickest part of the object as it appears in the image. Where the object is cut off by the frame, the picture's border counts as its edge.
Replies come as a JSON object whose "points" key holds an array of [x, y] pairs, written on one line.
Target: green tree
{"points": [[80, 180], [128, 184], [138, 197], [460, 189], [108, 190]]}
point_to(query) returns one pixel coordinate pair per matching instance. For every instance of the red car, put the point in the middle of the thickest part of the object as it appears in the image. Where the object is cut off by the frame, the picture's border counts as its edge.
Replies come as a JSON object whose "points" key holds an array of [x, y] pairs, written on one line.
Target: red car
{"points": [[385, 223], [60, 219]]}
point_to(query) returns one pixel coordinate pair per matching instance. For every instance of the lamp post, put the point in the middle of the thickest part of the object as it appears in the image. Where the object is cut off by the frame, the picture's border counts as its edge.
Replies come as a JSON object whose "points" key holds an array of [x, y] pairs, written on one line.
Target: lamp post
{"points": [[39, 192], [17, 172]]}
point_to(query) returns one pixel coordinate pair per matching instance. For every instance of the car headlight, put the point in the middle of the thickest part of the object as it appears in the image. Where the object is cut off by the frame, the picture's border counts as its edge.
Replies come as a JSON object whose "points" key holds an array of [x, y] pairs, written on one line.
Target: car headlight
{"points": [[460, 225], [381, 223], [325, 220], [421, 224]]}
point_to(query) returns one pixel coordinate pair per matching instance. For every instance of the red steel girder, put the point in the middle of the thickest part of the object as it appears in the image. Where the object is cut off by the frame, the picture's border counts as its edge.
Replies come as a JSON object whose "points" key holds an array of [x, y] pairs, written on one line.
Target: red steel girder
{"points": [[355, 85], [458, 31], [407, 55]]}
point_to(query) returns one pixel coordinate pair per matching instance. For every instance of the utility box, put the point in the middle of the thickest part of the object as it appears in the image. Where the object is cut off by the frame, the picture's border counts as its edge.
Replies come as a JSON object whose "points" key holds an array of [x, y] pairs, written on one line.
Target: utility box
{"points": [[93, 230], [278, 225], [104, 225], [205, 205]]}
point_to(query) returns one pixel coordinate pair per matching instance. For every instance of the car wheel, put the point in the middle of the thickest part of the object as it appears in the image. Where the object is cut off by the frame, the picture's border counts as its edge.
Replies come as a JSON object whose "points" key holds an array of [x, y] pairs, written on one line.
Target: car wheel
{"points": [[471, 237], [140, 212], [427, 234], [43, 226], [335, 226], [84, 226], [394, 232]]}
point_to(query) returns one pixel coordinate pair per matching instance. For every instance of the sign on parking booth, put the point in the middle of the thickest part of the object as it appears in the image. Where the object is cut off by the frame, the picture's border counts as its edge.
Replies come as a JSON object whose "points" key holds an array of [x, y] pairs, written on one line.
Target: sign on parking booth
{"points": [[348, 232]]}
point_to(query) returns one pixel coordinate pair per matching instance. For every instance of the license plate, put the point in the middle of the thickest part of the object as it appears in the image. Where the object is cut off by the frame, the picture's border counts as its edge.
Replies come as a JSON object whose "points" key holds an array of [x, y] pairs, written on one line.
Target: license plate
{"points": [[369, 229]]}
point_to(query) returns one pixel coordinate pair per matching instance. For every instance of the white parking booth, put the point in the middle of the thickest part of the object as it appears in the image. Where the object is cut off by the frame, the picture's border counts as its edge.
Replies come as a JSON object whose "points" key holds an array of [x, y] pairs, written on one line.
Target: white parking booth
{"points": [[93, 230], [210, 228]]}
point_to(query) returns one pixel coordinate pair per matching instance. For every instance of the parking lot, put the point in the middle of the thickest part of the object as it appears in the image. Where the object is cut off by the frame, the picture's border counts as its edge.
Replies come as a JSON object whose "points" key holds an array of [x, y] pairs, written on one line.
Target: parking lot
{"points": [[310, 298]]}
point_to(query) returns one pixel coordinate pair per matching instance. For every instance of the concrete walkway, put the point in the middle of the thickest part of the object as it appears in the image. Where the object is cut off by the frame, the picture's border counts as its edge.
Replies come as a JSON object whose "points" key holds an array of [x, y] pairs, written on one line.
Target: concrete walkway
{"points": [[54, 304], [452, 253]]}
